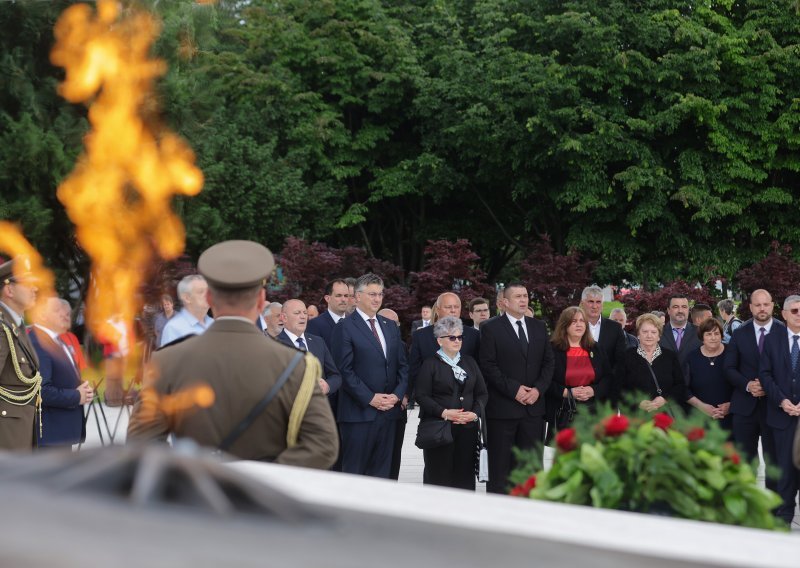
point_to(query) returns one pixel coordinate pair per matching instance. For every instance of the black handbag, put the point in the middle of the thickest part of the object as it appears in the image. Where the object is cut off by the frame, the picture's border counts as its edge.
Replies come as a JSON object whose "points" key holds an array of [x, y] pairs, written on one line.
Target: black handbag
{"points": [[436, 432], [566, 412]]}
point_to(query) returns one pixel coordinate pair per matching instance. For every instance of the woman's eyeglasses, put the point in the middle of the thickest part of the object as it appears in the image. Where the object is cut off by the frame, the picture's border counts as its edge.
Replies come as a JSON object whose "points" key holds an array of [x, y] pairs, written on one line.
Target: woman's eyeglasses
{"points": [[452, 337]]}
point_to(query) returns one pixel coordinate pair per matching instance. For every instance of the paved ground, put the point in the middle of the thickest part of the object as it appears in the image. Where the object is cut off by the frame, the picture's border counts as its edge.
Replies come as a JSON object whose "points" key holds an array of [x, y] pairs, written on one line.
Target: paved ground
{"points": [[114, 423]]}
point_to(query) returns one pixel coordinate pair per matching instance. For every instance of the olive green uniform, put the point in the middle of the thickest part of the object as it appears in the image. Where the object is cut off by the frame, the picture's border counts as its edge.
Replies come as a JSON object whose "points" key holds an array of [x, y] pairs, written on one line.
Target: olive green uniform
{"points": [[240, 364], [17, 415]]}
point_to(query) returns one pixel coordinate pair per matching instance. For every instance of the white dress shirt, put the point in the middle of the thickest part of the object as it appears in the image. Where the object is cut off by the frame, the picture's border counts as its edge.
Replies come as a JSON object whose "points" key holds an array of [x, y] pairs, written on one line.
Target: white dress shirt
{"points": [[514, 321], [594, 329], [377, 327]]}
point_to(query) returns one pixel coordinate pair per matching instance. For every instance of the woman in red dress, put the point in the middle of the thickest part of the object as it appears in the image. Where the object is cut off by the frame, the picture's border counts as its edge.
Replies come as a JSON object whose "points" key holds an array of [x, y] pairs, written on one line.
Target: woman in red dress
{"points": [[581, 373]]}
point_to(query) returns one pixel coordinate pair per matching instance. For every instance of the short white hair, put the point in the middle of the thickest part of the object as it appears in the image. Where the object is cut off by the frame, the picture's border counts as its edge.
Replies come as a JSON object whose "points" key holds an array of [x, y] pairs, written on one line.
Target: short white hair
{"points": [[271, 306], [793, 299], [185, 285], [592, 292]]}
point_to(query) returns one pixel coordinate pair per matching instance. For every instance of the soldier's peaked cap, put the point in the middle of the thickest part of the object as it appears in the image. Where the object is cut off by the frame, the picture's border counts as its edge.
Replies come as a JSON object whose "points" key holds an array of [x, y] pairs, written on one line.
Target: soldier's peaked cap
{"points": [[233, 265], [7, 275]]}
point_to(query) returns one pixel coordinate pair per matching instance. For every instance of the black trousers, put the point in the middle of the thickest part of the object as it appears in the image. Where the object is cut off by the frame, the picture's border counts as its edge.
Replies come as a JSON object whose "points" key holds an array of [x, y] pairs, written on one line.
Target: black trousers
{"points": [[397, 449], [453, 465], [746, 432], [367, 446], [503, 435], [789, 481]]}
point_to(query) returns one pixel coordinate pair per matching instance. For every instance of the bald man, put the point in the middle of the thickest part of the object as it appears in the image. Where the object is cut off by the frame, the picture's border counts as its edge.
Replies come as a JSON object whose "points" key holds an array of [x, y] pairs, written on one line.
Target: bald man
{"points": [[424, 345]]}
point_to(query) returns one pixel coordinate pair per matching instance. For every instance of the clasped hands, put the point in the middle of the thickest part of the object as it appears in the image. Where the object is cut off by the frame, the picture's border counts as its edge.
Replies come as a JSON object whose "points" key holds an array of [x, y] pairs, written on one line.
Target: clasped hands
{"points": [[581, 394], [789, 408], [527, 395], [384, 401], [716, 412], [653, 405], [755, 389], [86, 392], [459, 415]]}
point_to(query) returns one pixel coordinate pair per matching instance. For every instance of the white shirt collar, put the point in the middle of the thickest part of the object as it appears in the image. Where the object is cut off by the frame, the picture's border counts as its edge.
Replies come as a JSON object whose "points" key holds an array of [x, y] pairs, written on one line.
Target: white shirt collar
{"points": [[335, 317], [594, 329], [767, 327], [294, 337], [15, 315], [52, 334], [365, 316]]}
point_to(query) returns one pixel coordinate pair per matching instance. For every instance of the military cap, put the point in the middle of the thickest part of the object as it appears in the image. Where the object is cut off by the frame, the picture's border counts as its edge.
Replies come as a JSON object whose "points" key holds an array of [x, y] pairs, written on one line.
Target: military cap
{"points": [[7, 275], [233, 265]]}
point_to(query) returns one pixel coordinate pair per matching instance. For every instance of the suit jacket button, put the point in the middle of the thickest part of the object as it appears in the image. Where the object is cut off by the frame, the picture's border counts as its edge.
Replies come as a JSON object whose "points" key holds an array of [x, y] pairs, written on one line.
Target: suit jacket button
{"points": [[3, 413], [22, 359]]}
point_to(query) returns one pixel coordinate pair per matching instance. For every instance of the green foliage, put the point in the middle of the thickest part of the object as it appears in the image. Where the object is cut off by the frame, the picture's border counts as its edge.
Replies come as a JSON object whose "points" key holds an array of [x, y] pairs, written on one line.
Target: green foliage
{"points": [[686, 469], [657, 138]]}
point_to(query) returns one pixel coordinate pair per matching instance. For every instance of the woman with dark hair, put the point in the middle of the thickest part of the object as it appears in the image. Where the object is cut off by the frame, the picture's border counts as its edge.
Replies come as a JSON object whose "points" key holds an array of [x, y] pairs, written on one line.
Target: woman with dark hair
{"points": [[450, 387], [581, 372], [707, 384]]}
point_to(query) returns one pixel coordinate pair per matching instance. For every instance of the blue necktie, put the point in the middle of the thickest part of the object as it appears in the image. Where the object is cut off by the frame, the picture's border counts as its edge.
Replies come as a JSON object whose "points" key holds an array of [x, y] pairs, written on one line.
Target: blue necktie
{"points": [[301, 344], [795, 352]]}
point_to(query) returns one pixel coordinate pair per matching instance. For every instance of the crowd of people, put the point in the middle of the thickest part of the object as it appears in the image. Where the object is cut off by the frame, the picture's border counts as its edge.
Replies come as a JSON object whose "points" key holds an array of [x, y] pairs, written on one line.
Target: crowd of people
{"points": [[333, 389]]}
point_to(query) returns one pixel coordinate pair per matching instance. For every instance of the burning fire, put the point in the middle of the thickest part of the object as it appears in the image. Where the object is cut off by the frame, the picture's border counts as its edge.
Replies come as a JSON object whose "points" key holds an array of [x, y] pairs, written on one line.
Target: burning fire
{"points": [[119, 194]]}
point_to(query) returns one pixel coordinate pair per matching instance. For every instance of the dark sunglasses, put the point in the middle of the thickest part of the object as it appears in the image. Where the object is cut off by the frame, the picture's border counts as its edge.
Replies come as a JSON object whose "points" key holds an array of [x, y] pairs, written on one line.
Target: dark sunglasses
{"points": [[452, 337]]}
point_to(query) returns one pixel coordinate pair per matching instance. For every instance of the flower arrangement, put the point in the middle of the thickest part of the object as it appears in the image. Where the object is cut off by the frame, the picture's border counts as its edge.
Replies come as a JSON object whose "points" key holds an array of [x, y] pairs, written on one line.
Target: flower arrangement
{"points": [[650, 464]]}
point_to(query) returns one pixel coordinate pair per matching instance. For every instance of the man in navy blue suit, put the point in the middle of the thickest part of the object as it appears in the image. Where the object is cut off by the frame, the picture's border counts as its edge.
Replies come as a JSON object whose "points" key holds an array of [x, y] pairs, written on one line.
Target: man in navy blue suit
{"points": [[295, 320], [337, 296], [370, 356], [748, 401], [780, 375], [63, 392]]}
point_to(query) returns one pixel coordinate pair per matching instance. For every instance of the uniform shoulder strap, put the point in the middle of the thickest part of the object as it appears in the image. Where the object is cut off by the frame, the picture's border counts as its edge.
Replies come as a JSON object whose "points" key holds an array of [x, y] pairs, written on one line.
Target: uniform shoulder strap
{"points": [[262, 404]]}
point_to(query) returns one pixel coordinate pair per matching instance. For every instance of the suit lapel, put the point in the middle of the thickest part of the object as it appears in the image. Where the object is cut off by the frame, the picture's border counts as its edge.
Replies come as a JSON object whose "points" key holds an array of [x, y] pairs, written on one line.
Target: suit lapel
{"points": [[669, 339], [363, 326], [386, 334], [514, 336], [55, 350]]}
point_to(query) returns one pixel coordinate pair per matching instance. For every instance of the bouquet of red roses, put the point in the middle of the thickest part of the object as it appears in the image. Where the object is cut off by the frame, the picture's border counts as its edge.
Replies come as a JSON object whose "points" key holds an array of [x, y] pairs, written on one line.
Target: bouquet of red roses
{"points": [[653, 464]]}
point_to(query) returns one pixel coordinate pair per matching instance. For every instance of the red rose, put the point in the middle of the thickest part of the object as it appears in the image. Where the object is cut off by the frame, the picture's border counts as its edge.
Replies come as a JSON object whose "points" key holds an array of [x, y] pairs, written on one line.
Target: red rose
{"points": [[735, 458], [566, 440], [663, 420], [529, 485], [517, 491], [695, 434], [616, 425]]}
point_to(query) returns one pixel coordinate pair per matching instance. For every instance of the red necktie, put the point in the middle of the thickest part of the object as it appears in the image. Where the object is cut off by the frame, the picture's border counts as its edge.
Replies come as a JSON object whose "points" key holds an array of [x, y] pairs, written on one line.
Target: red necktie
{"points": [[375, 332]]}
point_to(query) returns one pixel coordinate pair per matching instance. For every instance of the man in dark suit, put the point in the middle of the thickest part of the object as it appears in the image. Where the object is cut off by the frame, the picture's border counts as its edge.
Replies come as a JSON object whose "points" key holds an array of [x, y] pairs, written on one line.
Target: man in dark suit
{"points": [[295, 320], [679, 334], [337, 296], [371, 358], [780, 375], [63, 392], [741, 367], [425, 312], [424, 345], [608, 334], [517, 364]]}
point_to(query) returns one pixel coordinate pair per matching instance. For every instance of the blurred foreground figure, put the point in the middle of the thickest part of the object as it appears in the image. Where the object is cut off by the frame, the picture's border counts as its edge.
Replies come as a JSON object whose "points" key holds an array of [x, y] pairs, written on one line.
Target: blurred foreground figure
{"points": [[250, 413], [20, 382]]}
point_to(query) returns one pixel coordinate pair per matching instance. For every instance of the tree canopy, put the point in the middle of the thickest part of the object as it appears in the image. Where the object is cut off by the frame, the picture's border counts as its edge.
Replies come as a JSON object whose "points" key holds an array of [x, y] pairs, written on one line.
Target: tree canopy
{"points": [[657, 138]]}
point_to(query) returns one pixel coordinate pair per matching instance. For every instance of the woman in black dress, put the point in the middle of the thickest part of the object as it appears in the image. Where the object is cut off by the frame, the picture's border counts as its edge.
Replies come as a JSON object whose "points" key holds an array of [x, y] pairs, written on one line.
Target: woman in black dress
{"points": [[450, 387], [707, 384]]}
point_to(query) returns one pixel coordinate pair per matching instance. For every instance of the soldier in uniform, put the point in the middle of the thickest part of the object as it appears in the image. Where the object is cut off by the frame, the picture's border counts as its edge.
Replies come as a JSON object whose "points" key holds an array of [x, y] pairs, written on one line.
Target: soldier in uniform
{"points": [[241, 366], [20, 382]]}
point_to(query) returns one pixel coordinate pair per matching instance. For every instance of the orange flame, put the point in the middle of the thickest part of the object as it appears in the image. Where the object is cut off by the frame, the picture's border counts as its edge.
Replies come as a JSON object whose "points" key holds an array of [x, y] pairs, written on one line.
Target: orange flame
{"points": [[13, 242], [119, 194]]}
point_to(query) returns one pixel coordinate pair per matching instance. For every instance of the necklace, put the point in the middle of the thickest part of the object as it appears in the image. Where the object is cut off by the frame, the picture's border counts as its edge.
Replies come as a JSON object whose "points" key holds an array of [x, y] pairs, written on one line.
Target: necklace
{"points": [[712, 359]]}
